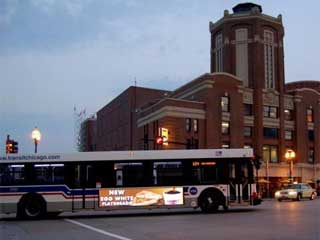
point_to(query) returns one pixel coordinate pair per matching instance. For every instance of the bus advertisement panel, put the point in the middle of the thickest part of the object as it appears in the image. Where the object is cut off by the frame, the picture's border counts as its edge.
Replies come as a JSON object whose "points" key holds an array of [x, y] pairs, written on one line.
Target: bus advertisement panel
{"points": [[147, 196]]}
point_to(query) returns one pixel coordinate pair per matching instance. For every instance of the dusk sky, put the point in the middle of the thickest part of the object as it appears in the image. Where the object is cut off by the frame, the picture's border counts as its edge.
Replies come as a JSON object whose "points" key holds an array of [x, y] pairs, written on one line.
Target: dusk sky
{"points": [[57, 54]]}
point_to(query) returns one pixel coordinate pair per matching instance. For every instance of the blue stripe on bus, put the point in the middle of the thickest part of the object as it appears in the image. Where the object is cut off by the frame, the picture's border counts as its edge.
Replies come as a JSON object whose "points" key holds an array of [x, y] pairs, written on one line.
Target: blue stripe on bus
{"points": [[60, 188]]}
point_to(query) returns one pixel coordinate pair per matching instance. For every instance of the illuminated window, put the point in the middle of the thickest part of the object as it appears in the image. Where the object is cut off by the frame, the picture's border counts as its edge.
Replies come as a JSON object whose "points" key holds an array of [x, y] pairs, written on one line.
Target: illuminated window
{"points": [[288, 114], [288, 135], [270, 112], [225, 104], [225, 145], [309, 115], [225, 128], [195, 125], [270, 154], [188, 124]]}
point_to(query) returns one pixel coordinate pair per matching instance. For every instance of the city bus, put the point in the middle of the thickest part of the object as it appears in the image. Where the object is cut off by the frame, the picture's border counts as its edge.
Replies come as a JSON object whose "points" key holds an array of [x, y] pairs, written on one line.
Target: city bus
{"points": [[35, 185]]}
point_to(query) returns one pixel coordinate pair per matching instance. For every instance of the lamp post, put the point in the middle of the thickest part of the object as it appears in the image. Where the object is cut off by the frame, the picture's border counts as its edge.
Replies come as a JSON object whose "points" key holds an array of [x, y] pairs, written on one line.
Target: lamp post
{"points": [[36, 136], [290, 155]]}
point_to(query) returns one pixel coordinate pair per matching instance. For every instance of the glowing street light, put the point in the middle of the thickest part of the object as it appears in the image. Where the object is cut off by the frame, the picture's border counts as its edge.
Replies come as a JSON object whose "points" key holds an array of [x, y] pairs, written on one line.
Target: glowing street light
{"points": [[36, 136], [290, 155]]}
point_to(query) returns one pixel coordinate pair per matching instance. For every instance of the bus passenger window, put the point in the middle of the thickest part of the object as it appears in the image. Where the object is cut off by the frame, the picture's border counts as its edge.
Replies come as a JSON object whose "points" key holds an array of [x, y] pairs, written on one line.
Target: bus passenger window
{"points": [[49, 173], [168, 173], [129, 174], [12, 174]]}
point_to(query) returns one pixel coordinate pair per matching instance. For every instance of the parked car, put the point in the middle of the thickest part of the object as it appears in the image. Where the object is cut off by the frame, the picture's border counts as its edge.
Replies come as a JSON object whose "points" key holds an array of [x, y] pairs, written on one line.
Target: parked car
{"points": [[296, 191]]}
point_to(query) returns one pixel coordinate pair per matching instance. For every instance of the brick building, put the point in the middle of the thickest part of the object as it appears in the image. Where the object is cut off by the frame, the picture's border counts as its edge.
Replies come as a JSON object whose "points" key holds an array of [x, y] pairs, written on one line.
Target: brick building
{"points": [[242, 102], [87, 135]]}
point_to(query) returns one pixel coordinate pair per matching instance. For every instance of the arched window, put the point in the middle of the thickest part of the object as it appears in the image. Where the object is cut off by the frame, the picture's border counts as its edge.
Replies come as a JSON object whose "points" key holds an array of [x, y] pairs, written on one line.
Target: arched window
{"points": [[269, 75], [219, 53]]}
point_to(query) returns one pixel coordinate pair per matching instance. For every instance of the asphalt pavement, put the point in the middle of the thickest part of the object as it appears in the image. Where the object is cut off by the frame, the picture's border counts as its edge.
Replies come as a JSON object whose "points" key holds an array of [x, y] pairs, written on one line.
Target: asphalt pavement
{"points": [[271, 220]]}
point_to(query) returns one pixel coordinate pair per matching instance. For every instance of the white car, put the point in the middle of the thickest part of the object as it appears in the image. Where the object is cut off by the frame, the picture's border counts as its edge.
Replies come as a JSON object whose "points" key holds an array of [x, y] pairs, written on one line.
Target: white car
{"points": [[296, 191]]}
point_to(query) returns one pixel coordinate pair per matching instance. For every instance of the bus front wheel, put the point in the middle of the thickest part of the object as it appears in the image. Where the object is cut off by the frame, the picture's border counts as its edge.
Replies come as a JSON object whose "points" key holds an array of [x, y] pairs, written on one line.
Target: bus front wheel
{"points": [[210, 201], [32, 206]]}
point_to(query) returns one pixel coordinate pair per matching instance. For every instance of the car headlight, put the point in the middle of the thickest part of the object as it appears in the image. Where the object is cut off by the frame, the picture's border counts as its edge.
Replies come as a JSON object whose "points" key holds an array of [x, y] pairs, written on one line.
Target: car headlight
{"points": [[277, 193]]}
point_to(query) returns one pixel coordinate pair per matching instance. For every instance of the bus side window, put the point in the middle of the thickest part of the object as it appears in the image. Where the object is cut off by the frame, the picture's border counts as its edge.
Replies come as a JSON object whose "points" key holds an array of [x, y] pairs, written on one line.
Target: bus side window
{"points": [[232, 170], [12, 175]]}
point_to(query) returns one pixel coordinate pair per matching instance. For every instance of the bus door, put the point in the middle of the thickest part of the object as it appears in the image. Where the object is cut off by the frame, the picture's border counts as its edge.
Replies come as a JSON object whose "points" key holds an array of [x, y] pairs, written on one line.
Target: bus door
{"points": [[239, 187], [85, 195]]}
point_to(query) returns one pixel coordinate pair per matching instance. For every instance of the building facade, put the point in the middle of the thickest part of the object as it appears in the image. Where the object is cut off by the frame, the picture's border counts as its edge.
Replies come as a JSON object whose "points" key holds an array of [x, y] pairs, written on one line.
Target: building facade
{"points": [[242, 102]]}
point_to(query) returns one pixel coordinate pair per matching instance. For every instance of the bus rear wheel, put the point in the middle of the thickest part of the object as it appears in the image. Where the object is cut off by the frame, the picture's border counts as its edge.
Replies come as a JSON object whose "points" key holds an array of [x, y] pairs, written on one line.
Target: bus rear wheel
{"points": [[32, 206]]}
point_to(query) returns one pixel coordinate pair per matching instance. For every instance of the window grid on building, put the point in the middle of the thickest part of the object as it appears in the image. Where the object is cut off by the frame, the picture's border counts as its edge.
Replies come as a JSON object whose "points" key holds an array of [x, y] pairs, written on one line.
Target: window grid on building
{"points": [[219, 53], [269, 60], [270, 112]]}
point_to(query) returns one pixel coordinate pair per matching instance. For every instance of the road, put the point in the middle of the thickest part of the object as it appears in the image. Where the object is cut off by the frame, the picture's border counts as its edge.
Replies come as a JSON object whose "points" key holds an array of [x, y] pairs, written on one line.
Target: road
{"points": [[271, 220]]}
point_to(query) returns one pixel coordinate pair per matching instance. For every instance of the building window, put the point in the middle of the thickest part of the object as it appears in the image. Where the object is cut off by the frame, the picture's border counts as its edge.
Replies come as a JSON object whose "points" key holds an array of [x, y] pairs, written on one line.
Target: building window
{"points": [[270, 154], [288, 135], [219, 53], [311, 155], [248, 109], [225, 145], [247, 131], [288, 114], [195, 125], [311, 135], [188, 124], [242, 55], [309, 115], [270, 132], [225, 104], [225, 128], [270, 112], [192, 143], [269, 60]]}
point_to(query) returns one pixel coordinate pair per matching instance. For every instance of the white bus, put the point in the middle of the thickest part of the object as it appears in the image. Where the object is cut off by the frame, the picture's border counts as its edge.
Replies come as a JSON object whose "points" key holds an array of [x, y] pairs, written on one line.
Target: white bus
{"points": [[34, 185]]}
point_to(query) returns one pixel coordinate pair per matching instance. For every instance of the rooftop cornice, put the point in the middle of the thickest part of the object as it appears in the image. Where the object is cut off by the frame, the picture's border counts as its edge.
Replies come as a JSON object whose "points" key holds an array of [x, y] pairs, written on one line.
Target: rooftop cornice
{"points": [[243, 16]]}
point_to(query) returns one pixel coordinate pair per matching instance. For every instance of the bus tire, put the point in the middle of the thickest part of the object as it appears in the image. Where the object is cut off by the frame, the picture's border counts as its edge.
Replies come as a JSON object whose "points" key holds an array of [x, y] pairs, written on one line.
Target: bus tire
{"points": [[210, 200], [32, 206]]}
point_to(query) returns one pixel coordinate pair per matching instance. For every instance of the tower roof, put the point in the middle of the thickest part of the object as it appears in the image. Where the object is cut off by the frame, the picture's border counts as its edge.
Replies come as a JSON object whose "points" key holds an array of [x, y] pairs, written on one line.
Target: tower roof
{"points": [[246, 7]]}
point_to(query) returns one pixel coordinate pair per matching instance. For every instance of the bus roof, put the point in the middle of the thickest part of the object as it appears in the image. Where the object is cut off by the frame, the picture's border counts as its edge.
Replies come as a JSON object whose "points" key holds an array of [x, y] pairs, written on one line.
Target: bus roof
{"points": [[128, 155]]}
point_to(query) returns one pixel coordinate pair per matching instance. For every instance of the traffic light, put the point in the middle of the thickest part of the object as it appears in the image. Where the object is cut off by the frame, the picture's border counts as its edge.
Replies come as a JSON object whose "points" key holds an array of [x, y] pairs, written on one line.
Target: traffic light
{"points": [[159, 140], [8, 146], [14, 147]]}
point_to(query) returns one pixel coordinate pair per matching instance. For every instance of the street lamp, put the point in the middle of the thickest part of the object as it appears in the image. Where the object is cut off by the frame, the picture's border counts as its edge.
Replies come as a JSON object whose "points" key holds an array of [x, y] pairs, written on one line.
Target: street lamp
{"points": [[290, 155], [36, 136]]}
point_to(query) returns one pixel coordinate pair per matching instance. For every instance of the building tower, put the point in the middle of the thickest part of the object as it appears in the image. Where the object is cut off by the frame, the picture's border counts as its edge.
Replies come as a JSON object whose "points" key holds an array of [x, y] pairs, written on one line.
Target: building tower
{"points": [[249, 45]]}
